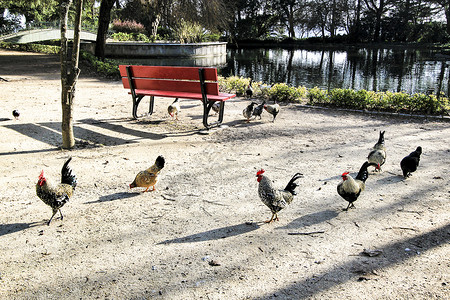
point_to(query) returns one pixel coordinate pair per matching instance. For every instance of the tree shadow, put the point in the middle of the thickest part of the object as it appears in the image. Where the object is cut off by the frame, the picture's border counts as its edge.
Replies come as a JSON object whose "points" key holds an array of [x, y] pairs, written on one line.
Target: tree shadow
{"points": [[393, 254], [122, 129], [15, 227], [113, 197], [215, 234]]}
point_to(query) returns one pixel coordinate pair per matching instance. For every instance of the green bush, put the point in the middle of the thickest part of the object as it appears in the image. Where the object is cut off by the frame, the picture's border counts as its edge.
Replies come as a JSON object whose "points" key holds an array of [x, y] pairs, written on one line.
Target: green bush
{"points": [[125, 37], [233, 84], [107, 68], [31, 47], [281, 92], [379, 101], [189, 32], [317, 96]]}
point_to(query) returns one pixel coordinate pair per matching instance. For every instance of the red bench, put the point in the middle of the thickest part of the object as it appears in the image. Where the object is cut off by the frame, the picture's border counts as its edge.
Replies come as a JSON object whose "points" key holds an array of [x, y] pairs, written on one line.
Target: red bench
{"points": [[175, 82]]}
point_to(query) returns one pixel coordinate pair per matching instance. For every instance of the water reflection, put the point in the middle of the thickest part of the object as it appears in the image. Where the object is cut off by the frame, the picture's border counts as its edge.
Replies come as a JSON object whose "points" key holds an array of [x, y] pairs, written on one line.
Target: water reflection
{"points": [[396, 70]]}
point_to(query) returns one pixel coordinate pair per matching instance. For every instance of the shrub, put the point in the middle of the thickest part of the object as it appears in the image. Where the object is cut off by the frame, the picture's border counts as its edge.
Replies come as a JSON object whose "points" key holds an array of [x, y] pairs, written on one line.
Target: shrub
{"points": [[188, 32], [283, 93], [317, 96], [107, 68], [233, 84], [124, 37], [31, 47]]}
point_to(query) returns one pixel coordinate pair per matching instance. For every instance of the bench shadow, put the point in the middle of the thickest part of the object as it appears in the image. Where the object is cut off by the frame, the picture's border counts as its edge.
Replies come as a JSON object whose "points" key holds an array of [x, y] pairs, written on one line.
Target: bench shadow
{"points": [[15, 227], [113, 197], [215, 234]]}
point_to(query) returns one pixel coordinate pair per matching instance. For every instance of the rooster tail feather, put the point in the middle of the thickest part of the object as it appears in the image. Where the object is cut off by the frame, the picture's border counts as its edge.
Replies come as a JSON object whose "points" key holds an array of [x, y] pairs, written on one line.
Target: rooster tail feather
{"points": [[160, 162], [290, 187], [363, 174], [67, 175], [381, 138]]}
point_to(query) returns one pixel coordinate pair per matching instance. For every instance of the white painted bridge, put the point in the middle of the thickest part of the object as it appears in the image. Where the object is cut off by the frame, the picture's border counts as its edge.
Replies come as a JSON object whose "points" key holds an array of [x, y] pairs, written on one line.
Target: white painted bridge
{"points": [[37, 35]]}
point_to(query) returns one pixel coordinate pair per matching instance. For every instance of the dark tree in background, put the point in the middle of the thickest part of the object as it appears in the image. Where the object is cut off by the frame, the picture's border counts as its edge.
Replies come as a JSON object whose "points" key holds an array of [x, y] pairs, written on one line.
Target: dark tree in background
{"points": [[104, 19]]}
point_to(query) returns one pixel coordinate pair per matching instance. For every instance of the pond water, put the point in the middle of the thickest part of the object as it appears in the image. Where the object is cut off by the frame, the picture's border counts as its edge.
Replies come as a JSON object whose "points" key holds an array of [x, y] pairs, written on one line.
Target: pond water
{"points": [[407, 70]]}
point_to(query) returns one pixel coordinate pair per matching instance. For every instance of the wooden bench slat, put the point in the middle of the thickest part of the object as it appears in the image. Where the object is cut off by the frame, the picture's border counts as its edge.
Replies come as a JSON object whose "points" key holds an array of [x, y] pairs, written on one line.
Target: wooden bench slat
{"points": [[183, 95], [212, 88], [179, 73]]}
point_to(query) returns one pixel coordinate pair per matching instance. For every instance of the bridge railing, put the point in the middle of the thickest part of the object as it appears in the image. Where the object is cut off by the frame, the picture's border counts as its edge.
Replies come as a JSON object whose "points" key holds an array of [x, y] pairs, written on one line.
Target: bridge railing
{"points": [[45, 25]]}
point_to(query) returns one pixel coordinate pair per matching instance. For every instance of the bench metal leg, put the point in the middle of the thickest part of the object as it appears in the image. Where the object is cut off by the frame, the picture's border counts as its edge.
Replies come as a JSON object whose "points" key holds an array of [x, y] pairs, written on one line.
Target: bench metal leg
{"points": [[207, 109], [136, 101], [151, 105]]}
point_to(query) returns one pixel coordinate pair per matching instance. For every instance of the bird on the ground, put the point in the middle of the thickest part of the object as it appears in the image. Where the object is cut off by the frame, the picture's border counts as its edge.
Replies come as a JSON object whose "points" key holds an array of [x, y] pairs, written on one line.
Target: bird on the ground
{"points": [[410, 163], [378, 154], [56, 196], [148, 178], [350, 188], [276, 199], [249, 90], [272, 109], [16, 114], [259, 110], [248, 111], [174, 108], [216, 107]]}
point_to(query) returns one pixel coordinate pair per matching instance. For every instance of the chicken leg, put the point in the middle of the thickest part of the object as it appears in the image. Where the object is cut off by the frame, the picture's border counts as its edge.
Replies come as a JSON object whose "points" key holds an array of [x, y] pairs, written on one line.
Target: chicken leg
{"points": [[274, 218]]}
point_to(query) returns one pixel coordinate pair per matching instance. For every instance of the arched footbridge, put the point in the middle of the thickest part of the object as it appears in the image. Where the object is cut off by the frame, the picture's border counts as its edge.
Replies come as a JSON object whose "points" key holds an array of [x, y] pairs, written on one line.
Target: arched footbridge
{"points": [[37, 35]]}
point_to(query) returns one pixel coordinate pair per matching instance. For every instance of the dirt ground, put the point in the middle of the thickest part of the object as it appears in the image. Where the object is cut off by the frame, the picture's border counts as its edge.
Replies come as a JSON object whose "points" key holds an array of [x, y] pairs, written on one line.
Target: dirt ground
{"points": [[201, 234]]}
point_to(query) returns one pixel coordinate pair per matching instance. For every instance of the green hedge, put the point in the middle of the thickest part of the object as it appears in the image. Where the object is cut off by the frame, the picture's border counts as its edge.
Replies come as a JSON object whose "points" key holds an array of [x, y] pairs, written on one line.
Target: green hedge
{"points": [[380, 101], [31, 47]]}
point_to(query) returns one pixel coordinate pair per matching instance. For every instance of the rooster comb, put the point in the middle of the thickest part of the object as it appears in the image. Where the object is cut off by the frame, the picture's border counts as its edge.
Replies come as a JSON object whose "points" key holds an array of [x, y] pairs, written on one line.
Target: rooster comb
{"points": [[260, 172], [345, 173], [42, 174]]}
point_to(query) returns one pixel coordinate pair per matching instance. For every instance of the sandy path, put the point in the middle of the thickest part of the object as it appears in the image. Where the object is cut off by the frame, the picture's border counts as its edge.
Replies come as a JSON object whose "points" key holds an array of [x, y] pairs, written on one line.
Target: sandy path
{"points": [[115, 243]]}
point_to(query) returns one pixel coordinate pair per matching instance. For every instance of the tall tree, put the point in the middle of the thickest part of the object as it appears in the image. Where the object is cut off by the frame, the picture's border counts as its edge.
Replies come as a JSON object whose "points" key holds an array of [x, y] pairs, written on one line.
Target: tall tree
{"points": [[445, 4], [69, 70], [291, 12], [378, 8]]}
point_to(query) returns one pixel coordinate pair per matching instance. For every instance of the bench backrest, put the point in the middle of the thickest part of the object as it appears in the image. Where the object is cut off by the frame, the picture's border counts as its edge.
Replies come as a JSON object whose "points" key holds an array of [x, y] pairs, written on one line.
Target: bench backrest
{"points": [[177, 79]]}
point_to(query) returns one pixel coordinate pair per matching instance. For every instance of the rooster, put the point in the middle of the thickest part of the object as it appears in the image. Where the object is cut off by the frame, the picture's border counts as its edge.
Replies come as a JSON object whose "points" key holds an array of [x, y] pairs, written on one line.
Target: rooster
{"points": [[248, 111], [378, 154], [174, 108], [275, 199], [56, 196], [410, 163], [350, 188], [259, 110], [273, 109], [148, 178]]}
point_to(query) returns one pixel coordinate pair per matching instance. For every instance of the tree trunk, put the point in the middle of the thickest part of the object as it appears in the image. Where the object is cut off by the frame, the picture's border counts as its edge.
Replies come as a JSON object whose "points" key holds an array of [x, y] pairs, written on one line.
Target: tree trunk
{"points": [[379, 13], [104, 19], [291, 22], [69, 71], [155, 25], [447, 17]]}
